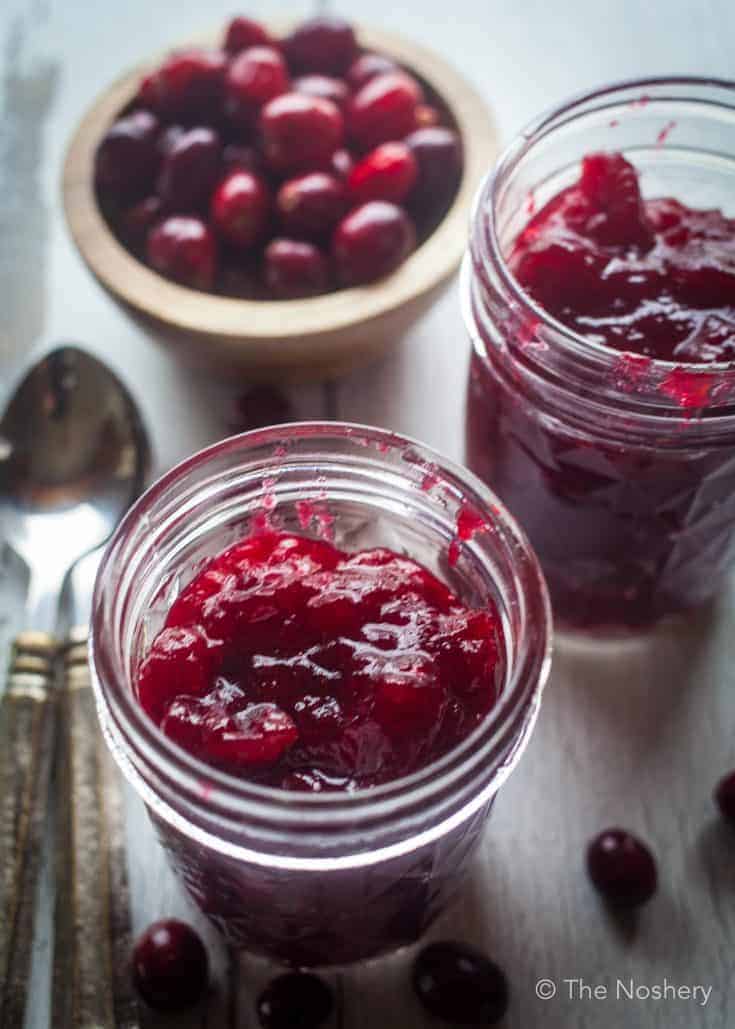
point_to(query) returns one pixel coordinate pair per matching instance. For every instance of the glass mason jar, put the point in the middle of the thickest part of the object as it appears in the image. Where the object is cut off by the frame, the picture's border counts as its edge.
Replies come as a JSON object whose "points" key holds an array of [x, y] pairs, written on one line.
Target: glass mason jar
{"points": [[620, 468], [316, 879]]}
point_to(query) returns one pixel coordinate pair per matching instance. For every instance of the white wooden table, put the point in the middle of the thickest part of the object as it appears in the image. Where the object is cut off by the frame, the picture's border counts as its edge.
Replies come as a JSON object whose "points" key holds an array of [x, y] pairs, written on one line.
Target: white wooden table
{"points": [[635, 737]]}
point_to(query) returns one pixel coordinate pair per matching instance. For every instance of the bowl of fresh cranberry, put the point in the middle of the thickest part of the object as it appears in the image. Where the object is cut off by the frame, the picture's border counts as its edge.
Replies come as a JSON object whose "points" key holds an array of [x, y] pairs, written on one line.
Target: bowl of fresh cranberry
{"points": [[281, 203]]}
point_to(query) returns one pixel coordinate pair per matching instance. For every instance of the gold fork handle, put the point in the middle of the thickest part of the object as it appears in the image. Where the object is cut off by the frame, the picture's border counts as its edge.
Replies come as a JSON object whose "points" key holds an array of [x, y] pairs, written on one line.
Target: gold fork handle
{"points": [[26, 743], [91, 975]]}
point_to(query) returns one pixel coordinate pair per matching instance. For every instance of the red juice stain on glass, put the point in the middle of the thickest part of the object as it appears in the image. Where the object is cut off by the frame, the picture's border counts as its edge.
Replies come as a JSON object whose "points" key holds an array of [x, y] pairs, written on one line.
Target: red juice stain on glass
{"points": [[469, 522]]}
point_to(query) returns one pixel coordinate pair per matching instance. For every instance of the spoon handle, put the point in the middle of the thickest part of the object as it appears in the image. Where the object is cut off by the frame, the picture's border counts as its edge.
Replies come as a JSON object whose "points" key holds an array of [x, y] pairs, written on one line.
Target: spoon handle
{"points": [[26, 744], [91, 978]]}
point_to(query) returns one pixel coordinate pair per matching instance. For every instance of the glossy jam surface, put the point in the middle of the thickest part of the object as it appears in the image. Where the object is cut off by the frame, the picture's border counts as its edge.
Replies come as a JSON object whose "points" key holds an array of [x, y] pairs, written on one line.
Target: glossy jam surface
{"points": [[654, 277], [629, 525], [294, 664]]}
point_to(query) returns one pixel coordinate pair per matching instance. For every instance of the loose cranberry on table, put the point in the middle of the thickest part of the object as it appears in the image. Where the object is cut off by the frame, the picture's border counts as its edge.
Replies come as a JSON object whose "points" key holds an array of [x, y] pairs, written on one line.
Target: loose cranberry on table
{"points": [[294, 268], [240, 208], [183, 248], [127, 157], [188, 85], [170, 966], [384, 109], [297, 1000], [292, 663], [325, 87], [190, 171], [311, 205], [242, 33], [253, 78], [300, 132], [388, 172], [622, 868], [371, 242], [325, 44], [459, 984], [367, 67], [725, 797]]}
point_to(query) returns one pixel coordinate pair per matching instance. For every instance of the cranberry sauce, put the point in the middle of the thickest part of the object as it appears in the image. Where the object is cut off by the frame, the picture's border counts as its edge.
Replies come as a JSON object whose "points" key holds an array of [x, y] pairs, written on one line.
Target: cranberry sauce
{"points": [[294, 664], [630, 524], [653, 277]]}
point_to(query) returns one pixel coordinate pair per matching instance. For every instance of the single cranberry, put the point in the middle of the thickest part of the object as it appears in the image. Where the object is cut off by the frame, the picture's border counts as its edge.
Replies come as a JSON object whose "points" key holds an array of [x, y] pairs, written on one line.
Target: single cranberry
{"points": [[240, 208], [384, 109], [126, 159], [325, 87], [323, 44], [460, 984], [261, 406], [183, 248], [296, 1000], [253, 78], [622, 868], [310, 206], [170, 966], [300, 132], [190, 171], [241, 157], [386, 173], [438, 153], [341, 163], [369, 66], [371, 242], [427, 116], [294, 269], [725, 797], [137, 221], [242, 33], [188, 85]]}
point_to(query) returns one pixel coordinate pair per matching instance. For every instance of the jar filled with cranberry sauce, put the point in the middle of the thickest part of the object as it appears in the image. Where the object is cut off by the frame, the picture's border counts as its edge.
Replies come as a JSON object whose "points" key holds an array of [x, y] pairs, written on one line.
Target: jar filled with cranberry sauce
{"points": [[599, 293], [318, 651]]}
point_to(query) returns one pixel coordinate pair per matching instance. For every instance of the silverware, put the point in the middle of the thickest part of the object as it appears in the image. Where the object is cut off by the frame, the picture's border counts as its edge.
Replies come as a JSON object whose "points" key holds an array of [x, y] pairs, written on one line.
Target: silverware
{"points": [[73, 454]]}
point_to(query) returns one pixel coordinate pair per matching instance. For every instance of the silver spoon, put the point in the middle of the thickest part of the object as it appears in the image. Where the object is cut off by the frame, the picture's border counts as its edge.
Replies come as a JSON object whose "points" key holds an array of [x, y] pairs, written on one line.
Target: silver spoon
{"points": [[73, 456]]}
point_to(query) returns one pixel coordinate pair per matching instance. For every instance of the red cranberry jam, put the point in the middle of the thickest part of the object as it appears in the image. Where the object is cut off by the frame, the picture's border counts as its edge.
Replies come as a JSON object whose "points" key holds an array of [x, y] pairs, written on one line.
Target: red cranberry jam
{"points": [[294, 664], [654, 277], [631, 516]]}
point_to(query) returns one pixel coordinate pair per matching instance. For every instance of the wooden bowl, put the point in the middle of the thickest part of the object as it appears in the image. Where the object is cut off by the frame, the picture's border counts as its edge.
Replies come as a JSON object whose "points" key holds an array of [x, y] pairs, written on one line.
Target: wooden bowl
{"points": [[320, 337]]}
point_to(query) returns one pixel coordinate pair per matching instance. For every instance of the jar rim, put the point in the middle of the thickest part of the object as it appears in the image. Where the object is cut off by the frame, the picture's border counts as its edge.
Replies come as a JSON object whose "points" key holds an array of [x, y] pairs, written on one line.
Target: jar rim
{"points": [[124, 719], [577, 345]]}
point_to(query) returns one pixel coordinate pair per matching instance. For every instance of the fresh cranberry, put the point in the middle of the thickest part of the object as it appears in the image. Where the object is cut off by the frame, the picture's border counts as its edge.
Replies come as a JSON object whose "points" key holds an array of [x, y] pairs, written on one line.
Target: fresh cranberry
{"points": [[137, 221], [188, 85], [725, 797], [384, 109], [126, 159], [386, 173], [261, 406], [296, 1000], [342, 164], [183, 248], [371, 242], [324, 87], [369, 66], [459, 984], [324, 44], [622, 868], [294, 269], [240, 208], [427, 116], [190, 171], [438, 153], [310, 206], [253, 78], [242, 33], [170, 966], [300, 132]]}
